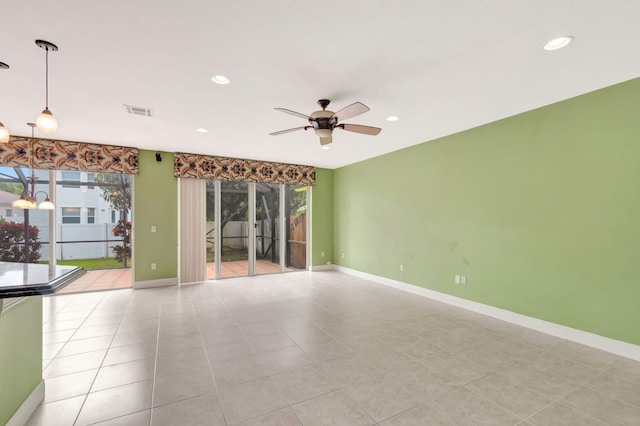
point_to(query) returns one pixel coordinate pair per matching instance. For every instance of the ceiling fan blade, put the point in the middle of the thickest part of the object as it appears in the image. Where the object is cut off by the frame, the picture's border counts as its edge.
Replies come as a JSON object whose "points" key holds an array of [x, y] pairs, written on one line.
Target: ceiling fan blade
{"points": [[352, 110], [365, 130], [326, 141], [297, 114], [282, 132]]}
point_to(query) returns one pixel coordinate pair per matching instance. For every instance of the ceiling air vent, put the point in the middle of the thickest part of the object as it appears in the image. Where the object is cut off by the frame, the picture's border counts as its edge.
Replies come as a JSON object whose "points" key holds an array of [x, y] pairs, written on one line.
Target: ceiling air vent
{"points": [[139, 110]]}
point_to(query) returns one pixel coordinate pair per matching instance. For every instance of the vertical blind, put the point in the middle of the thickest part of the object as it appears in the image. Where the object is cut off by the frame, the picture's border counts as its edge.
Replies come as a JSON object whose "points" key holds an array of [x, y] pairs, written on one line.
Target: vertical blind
{"points": [[192, 230]]}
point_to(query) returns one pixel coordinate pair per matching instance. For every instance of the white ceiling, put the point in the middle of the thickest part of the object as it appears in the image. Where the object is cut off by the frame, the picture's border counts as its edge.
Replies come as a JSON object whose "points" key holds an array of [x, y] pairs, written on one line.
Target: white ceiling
{"points": [[441, 66]]}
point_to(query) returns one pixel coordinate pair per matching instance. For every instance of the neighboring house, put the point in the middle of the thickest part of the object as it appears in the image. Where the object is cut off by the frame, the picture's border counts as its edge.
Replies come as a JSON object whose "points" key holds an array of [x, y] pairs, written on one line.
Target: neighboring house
{"points": [[7, 211], [81, 214]]}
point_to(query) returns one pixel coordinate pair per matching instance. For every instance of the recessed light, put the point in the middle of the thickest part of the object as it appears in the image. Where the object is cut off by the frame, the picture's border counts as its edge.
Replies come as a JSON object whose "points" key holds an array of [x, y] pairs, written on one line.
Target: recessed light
{"points": [[201, 130], [393, 118], [220, 79], [558, 43], [325, 147]]}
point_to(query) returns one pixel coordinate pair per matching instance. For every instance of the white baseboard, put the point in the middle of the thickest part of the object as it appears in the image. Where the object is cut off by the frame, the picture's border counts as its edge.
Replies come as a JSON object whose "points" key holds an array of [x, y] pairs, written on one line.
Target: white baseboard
{"points": [[322, 268], [617, 347], [28, 407], [164, 282]]}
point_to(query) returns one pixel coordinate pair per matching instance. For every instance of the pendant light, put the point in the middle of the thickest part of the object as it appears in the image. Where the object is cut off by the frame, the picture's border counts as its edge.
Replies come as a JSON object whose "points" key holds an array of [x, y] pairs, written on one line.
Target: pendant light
{"points": [[4, 133], [28, 198], [46, 122]]}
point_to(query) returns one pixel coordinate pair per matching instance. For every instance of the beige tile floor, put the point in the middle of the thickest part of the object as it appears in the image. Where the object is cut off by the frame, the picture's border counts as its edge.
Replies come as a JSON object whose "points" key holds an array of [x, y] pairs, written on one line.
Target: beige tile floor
{"points": [[314, 349]]}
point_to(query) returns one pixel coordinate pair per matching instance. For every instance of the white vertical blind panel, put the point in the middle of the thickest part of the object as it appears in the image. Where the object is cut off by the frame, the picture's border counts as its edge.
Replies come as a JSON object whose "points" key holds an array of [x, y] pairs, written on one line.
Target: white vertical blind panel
{"points": [[192, 230]]}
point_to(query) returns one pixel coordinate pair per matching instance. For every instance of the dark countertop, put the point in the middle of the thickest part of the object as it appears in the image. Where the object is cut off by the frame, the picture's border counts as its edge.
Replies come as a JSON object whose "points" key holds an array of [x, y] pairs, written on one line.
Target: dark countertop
{"points": [[31, 279]]}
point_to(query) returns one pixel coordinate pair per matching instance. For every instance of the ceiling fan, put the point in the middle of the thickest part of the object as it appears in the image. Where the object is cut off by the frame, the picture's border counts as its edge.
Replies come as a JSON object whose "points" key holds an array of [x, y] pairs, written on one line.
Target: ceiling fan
{"points": [[323, 122]]}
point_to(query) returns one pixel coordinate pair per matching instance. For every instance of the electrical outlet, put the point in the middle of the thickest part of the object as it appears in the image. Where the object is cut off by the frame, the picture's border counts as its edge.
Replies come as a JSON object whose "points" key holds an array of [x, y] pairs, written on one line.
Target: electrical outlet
{"points": [[342, 255], [153, 228], [463, 279], [153, 266], [321, 254], [457, 279], [401, 268]]}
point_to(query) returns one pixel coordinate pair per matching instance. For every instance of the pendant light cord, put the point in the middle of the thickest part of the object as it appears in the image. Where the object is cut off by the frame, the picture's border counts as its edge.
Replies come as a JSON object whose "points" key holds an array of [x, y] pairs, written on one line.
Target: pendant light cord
{"points": [[33, 171], [46, 79]]}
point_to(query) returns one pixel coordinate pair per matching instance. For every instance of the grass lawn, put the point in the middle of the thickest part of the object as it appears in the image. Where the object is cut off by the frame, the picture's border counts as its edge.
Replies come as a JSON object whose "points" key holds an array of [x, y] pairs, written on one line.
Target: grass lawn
{"points": [[229, 255], [100, 263]]}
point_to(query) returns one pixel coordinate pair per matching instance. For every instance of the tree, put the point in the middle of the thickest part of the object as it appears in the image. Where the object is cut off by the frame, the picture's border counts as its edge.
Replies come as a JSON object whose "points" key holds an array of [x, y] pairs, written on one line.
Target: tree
{"points": [[12, 240], [116, 190], [123, 230], [12, 187]]}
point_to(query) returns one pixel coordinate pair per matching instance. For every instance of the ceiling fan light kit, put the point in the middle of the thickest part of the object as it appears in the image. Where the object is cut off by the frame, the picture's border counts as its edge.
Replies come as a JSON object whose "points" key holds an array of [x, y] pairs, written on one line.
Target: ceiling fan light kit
{"points": [[324, 121]]}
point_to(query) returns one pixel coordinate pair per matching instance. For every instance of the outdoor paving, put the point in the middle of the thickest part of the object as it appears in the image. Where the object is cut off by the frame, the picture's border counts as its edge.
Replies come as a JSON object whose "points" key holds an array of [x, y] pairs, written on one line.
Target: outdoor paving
{"points": [[112, 279], [100, 279], [239, 268]]}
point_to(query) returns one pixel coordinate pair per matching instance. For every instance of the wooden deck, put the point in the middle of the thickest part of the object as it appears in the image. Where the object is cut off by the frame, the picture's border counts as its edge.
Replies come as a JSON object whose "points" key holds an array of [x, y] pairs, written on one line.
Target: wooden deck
{"points": [[111, 279]]}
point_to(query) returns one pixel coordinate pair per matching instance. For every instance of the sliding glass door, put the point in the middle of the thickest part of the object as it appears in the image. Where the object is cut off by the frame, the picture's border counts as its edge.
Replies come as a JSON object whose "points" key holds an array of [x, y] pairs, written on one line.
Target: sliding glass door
{"points": [[255, 228], [234, 229], [210, 228], [267, 225], [296, 227]]}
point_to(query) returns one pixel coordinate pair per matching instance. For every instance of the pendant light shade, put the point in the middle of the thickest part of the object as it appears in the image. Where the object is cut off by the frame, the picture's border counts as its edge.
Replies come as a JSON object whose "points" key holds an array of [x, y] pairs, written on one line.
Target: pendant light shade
{"points": [[323, 133], [4, 134], [47, 205], [22, 203], [46, 122]]}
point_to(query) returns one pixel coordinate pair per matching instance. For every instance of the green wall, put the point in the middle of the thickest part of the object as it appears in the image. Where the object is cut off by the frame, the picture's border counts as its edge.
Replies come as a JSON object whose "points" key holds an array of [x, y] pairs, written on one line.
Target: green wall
{"points": [[20, 354], [540, 211], [155, 204], [322, 218]]}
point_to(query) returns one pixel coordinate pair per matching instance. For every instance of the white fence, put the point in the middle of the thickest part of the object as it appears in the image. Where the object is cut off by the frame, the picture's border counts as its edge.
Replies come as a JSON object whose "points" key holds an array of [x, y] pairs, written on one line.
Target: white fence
{"points": [[77, 232], [239, 229]]}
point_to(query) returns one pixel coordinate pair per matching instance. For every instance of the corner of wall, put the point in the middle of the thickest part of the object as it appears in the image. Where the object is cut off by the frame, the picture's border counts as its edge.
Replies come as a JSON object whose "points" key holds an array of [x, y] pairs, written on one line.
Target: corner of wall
{"points": [[322, 218]]}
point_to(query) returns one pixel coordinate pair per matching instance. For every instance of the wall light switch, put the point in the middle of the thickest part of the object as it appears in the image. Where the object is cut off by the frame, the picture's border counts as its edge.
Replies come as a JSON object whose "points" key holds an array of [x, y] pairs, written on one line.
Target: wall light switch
{"points": [[153, 266], [463, 279], [153, 228], [321, 254], [457, 278]]}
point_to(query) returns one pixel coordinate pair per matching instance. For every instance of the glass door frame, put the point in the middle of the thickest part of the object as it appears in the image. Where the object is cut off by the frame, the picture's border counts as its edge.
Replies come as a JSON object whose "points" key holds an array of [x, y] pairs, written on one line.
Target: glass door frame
{"points": [[251, 228]]}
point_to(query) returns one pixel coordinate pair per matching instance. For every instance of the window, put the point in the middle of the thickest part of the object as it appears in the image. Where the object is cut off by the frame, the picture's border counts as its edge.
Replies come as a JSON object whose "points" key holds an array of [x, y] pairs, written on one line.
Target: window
{"points": [[70, 215], [113, 216], [90, 179], [71, 176], [9, 213], [91, 215]]}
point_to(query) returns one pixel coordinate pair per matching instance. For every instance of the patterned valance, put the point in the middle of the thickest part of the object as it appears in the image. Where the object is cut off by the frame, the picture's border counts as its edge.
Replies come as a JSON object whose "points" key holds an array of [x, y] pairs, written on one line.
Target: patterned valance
{"points": [[63, 155], [222, 168]]}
